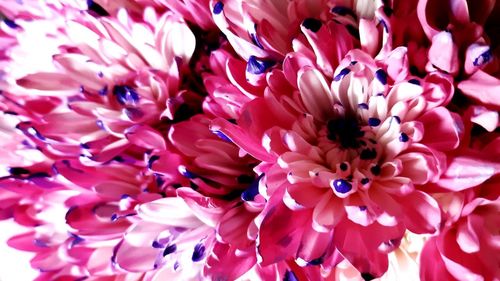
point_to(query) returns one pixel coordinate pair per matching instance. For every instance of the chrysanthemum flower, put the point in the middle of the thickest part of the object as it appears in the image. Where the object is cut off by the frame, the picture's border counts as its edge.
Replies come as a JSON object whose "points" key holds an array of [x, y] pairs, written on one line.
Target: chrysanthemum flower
{"points": [[346, 160], [120, 78]]}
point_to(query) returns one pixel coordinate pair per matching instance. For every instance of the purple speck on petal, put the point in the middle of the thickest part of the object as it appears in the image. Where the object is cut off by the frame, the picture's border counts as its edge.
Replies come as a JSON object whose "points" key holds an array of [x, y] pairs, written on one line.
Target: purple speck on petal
{"points": [[198, 253], [341, 74], [290, 276], [152, 160], [257, 66], [414, 81], [365, 181], [381, 76], [342, 186], [252, 190], [157, 245], [312, 24], [103, 91], [362, 208], [374, 122], [218, 7], [221, 135], [170, 249], [483, 58], [343, 11], [403, 137], [363, 106], [10, 23]]}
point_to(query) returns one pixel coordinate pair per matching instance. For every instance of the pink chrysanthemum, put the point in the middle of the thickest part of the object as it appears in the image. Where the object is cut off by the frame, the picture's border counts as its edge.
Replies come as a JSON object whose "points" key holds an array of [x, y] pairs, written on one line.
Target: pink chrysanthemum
{"points": [[348, 161]]}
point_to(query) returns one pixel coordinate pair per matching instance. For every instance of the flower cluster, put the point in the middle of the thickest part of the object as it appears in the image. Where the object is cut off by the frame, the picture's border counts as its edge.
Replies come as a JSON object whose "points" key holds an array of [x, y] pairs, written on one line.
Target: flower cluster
{"points": [[252, 139]]}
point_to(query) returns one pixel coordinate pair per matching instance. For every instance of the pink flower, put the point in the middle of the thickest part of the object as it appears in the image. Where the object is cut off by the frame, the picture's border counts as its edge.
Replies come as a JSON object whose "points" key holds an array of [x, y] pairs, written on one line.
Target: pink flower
{"points": [[349, 159], [467, 247]]}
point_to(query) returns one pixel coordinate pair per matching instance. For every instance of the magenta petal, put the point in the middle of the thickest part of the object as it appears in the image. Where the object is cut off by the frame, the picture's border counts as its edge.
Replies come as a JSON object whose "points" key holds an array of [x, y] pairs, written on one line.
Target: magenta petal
{"points": [[441, 129], [421, 212], [280, 232], [146, 137], [360, 244], [431, 265], [482, 87], [126, 256], [466, 171], [226, 262]]}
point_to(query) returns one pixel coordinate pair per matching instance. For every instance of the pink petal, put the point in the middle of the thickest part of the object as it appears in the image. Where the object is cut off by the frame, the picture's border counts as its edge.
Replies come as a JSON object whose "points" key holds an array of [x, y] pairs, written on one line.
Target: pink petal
{"points": [[443, 53], [146, 137], [421, 212], [482, 87], [441, 129]]}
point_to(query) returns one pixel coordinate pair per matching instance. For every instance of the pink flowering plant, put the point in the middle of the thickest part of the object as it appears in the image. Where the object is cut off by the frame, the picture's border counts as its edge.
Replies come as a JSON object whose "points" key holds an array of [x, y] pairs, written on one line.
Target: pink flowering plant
{"points": [[251, 139]]}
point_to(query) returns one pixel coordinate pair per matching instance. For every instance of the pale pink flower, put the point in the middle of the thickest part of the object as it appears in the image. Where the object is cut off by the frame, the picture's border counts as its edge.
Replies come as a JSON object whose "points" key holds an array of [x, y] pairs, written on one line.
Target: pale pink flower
{"points": [[120, 77]]}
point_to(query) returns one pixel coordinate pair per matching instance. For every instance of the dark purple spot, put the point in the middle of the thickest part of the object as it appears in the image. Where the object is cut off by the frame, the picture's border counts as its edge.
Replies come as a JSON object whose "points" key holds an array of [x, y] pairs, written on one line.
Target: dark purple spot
{"points": [[353, 62], [290, 276], [100, 124], [159, 180], [10, 23], [343, 11], [374, 122], [96, 9], [252, 190], [100, 74], [114, 217], [152, 160], [343, 166], [10, 112], [381, 76], [375, 170], [414, 81], [222, 136], [17, 171], [118, 159], [198, 253], [255, 40], [84, 146], [316, 261], [341, 74], [367, 276], [398, 120], [157, 245], [188, 174], [482, 59], [103, 91], [125, 95], [218, 7], [40, 243], [257, 66], [368, 154], [39, 175], [362, 208], [124, 196], [365, 180], [312, 24], [403, 137], [384, 24], [342, 186], [363, 106], [169, 249]]}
